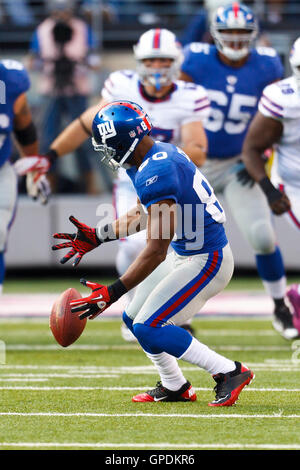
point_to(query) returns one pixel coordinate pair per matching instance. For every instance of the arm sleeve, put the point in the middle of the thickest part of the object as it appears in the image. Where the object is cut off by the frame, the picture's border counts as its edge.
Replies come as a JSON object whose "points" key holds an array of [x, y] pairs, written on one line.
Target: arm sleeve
{"points": [[278, 70], [117, 86], [18, 79], [270, 104], [34, 46], [198, 105], [188, 62]]}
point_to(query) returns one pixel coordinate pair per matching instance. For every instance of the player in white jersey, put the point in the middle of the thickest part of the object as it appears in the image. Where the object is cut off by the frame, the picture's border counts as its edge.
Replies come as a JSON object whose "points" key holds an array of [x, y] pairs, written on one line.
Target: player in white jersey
{"points": [[277, 125], [177, 110]]}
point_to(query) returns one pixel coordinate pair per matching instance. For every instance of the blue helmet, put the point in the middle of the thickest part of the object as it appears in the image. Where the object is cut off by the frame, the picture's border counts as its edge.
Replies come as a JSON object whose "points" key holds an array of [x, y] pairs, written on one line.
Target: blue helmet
{"points": [[240, 19], [117, 129]]}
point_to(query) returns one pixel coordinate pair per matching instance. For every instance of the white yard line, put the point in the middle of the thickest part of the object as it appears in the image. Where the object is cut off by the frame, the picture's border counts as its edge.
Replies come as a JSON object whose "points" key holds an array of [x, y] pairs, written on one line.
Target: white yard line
{"points": [[23, 380], [112, 389], [95, 347], [150, 415], [63, 376], [155, 445], [211, 332], [77, 368]]}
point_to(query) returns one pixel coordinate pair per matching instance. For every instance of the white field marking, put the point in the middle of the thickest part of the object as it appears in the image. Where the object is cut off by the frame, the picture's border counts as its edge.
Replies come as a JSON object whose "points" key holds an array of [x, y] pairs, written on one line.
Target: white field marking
{"points": [[85, 371], [148, 415], [23, 380], [91, 347], [247, 333], [25, 332], [78, 347], [139, 369], [119, 389], [115, 374], [64, 376], [145, 445]]}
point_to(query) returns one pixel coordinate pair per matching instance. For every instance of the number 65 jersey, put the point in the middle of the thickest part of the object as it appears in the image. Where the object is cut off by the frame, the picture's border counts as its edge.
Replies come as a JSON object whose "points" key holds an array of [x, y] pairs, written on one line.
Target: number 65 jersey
{"points": [[234, 92]]}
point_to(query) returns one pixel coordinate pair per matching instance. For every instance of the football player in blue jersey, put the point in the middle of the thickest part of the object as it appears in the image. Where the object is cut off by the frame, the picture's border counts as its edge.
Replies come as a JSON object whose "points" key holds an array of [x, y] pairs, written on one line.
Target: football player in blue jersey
{"points": [[235, 74], [181, 210], [16, 119]]}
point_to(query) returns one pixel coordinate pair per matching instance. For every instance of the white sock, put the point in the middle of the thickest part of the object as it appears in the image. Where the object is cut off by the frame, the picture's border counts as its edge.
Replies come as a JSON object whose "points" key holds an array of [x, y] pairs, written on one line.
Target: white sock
{"points": [[276, 289], [168, 369], [209, 360]]}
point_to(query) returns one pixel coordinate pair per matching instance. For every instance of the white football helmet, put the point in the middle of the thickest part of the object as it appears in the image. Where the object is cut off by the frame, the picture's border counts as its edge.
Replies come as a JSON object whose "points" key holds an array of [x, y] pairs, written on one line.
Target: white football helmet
{"points": [[295, 61], [158, 43]]}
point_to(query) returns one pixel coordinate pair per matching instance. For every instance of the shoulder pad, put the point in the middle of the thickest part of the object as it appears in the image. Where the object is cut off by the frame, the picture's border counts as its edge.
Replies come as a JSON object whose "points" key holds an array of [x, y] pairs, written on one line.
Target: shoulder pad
{"points": [[117, 84], [266, 51], [200, 48]]}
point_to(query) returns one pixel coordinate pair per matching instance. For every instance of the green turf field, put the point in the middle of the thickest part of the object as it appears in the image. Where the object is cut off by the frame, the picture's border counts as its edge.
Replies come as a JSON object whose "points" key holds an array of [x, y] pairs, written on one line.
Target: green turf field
{"points": [[80, 397], [51, 284]]}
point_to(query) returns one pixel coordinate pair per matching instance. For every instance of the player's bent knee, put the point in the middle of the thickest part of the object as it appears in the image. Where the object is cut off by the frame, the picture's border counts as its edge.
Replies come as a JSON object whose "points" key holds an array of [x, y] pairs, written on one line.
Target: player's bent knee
{"points": [[148, 338], [262, 238], [3, 238], [169, 338], [128, 321]]}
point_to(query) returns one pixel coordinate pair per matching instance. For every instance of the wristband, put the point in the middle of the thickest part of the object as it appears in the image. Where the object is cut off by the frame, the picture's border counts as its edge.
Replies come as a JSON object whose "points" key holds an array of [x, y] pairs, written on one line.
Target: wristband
{"points": [[26, 136], [270, 191], [116, 290], [266, 186], [52, 155]]}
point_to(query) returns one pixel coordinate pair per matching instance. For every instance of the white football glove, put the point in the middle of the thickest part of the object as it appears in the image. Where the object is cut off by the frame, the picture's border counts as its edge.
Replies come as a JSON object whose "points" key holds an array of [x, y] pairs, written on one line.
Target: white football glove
{"points": [[34, 168], [39, 189], [37, 164]]}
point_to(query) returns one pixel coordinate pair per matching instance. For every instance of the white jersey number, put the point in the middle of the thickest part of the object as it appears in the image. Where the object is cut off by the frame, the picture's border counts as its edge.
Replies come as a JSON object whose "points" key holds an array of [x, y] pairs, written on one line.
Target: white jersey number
{"points": [[207, 196], [218, 119]]}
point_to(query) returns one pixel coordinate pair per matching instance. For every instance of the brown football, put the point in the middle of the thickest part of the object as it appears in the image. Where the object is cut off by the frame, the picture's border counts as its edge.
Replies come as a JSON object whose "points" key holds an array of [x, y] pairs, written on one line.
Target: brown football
{"points": [[66, 326]]}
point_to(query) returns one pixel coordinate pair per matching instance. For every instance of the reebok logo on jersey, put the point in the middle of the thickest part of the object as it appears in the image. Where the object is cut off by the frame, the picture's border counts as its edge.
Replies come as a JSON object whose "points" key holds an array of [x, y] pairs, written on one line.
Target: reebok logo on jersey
{"points": [[151, 180]]}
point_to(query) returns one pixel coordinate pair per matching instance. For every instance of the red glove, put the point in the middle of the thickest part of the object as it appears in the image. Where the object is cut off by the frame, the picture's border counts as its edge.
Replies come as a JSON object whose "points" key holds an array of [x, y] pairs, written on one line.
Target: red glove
{"points": [[81, 242], [94, 304], [99, 300]]}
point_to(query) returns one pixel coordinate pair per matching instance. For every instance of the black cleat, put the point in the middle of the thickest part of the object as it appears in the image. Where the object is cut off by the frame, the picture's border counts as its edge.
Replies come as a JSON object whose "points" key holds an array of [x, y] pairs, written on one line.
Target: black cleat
{"points": [[161, 393], [283, 323], [230, 385]]}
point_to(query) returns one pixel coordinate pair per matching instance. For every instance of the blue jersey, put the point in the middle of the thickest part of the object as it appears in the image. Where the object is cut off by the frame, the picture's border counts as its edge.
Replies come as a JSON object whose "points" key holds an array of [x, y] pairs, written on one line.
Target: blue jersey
{"points": [[234, 92], [167, 173], [14, 81]]}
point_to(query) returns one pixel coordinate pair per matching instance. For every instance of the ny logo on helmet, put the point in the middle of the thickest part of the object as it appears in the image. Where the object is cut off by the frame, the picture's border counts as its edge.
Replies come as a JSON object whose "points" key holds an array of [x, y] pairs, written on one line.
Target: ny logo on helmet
{"points": [[106, 130], [236, 18]]}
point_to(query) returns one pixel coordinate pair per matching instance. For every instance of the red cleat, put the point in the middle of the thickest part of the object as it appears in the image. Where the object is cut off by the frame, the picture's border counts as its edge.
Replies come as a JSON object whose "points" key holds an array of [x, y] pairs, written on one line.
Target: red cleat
{"points": [[160, 393], [230, 385]]}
